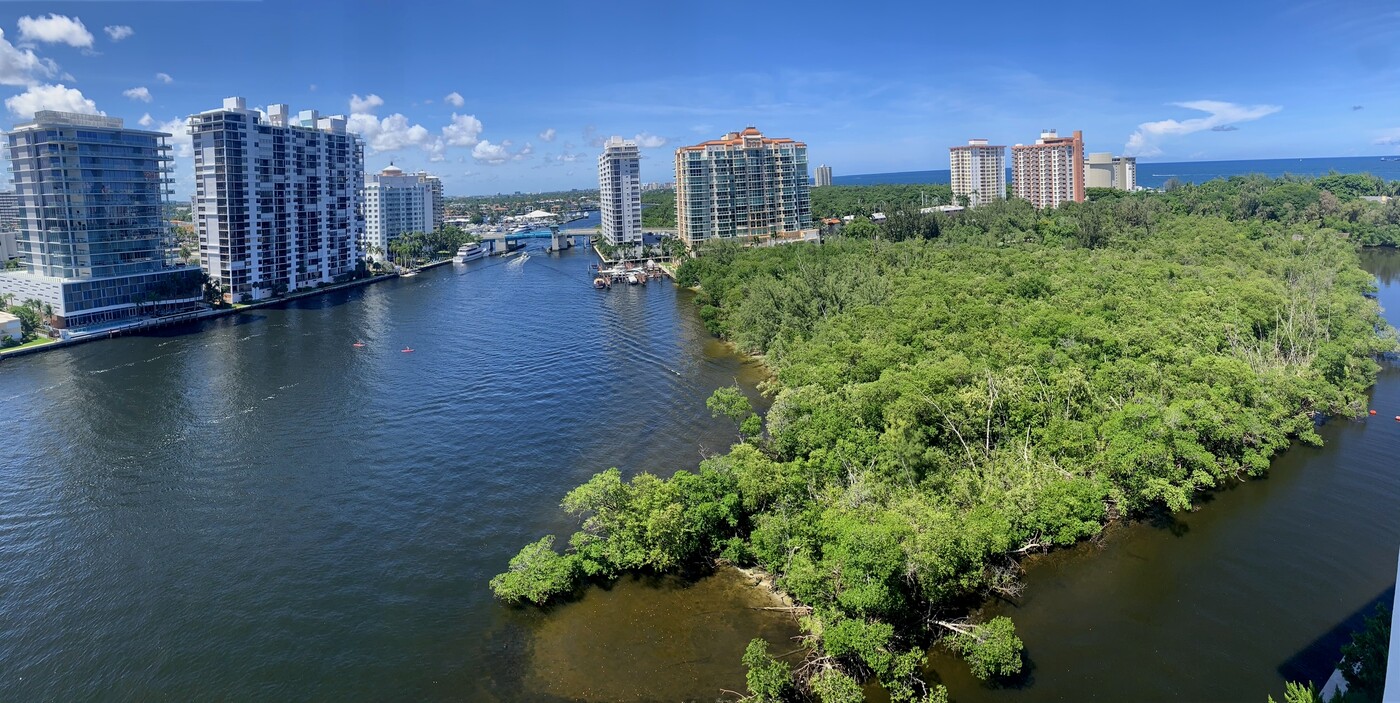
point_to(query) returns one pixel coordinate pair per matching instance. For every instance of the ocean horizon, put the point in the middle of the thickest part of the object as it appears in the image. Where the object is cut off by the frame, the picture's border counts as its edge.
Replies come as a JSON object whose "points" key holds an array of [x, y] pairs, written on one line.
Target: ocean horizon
{"points": [[1155, 174]]}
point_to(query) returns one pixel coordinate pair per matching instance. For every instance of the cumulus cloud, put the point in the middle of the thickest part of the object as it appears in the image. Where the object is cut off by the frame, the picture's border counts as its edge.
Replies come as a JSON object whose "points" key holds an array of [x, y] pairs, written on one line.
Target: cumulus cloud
{"points": [[55, 29], [50, 97], [180, 138], [118, 32], [146, 120], [455, 99], [365, 105], [22, 66], [1144, 141], [649, 141], [547, 135], [567, 157], [393, 133], [465, 130], [486, 152], [524, 152], [138, 93], [165, 78]]}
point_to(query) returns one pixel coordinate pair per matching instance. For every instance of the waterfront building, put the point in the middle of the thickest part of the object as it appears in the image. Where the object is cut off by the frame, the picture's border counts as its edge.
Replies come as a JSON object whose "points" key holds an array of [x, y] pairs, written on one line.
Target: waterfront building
{"points": [[978, 171], [742, 185], [278, 199], [397, 203], [10, 327], [9, 226], [1104, 170], [92, 239], [823, 176], [1050, 171], [620, 191]]}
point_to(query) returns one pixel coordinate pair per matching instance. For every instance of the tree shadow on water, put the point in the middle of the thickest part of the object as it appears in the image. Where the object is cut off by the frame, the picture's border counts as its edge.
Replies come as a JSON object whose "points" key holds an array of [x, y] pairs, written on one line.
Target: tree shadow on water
{"points": [[1316, 661], [1161, 518]]}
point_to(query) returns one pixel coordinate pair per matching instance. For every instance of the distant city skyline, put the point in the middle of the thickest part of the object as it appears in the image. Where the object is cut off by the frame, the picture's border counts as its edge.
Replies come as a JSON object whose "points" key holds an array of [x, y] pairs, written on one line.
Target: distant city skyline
{"points": [[505, 97]]}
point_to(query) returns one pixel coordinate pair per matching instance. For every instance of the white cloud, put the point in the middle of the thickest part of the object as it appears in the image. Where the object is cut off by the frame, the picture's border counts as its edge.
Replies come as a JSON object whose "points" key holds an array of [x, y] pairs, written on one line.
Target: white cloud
{"points": [[567, 157], [649, 141], [138, 93], [1144, 141], [118, 32], [547, 135], [165, 78], [394, 133], [146, 120], [365, 105], [50, 97], [55, 29], [524, 152], [22, 66], [454, 99], [1389, 137], [180, 137], [486, 152], [465, 130]]}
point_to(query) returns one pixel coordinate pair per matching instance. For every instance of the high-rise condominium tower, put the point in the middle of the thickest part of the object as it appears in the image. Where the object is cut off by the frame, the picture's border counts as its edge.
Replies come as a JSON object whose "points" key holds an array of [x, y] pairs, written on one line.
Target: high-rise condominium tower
{"points": [[278, 199], [397, 203], [93, 242], [742, 185], [978, 171], [1050, 171], [620, 191], [823, 176]]}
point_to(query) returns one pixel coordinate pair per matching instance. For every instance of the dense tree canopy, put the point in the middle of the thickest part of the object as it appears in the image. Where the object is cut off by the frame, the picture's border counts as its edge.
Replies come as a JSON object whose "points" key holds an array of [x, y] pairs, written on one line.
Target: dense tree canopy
{"points": [[949, 397]]}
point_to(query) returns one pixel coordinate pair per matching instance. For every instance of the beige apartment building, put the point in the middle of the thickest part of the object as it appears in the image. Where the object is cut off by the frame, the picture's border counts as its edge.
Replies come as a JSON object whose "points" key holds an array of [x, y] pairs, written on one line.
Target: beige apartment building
{"points": [[978, 171]]}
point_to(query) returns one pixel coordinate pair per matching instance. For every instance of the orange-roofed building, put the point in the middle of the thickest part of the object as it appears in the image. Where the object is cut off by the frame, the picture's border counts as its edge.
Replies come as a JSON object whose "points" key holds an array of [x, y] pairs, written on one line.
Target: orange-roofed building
{"points": [[1050, 171], [742, 185]]}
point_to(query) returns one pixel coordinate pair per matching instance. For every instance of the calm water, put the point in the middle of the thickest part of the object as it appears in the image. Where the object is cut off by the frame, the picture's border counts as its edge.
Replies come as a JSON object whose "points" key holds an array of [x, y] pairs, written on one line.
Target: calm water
{"points": [[253, 508], [1153, 175]]}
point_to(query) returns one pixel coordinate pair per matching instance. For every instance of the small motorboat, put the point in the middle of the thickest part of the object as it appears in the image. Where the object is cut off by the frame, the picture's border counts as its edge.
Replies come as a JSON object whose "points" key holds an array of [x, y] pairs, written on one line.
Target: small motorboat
{"points": [[600, 283], [407, 350], [358, 345], [409, 274]]}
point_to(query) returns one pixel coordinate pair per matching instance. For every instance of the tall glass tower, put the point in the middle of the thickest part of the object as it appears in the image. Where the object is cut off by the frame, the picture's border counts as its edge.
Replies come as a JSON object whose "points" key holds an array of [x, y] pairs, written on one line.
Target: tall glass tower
{"points": [[93, 241]]}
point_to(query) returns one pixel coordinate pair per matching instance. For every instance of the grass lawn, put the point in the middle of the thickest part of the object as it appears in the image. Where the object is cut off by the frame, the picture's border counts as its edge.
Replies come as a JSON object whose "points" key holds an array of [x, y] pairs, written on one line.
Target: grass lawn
{"points": [[38, 342]]}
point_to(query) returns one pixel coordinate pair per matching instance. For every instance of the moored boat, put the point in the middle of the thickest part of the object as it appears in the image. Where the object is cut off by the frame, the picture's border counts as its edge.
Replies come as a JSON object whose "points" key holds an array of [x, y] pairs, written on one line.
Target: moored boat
{"points": [[469, 252]]}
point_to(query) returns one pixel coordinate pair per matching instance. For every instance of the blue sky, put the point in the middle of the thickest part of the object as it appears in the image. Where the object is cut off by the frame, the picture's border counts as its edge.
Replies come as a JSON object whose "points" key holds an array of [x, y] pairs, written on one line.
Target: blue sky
{"points": [[506, 96]]}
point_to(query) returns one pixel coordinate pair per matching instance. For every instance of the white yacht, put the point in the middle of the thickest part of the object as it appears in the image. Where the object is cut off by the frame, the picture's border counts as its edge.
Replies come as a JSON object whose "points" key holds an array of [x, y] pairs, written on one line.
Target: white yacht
{"points": [[469, 252]]}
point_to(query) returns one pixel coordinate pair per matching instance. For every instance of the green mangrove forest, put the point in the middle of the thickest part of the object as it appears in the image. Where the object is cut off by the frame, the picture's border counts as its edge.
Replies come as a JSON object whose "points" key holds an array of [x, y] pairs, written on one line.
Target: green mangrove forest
{"points": [[952, 393]]}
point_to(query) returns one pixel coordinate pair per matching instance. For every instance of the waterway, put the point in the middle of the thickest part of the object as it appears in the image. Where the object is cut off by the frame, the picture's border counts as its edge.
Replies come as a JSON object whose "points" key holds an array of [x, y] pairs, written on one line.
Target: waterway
{"points": [[252, 507]]}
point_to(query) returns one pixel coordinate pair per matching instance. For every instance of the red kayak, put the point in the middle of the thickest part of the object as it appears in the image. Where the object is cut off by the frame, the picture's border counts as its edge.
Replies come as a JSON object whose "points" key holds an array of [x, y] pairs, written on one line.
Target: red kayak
{"points": [[406, 350]]}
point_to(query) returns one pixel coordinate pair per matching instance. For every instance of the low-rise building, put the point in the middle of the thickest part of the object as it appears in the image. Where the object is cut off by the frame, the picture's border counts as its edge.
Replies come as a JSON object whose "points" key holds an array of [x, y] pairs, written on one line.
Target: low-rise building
{"points": [[10, 327], [1104, 170]]}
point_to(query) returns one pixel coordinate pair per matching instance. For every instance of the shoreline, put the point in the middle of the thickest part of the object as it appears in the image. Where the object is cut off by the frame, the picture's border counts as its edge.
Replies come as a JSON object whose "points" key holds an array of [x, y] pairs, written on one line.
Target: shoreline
{"points": [[184, 318]]}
